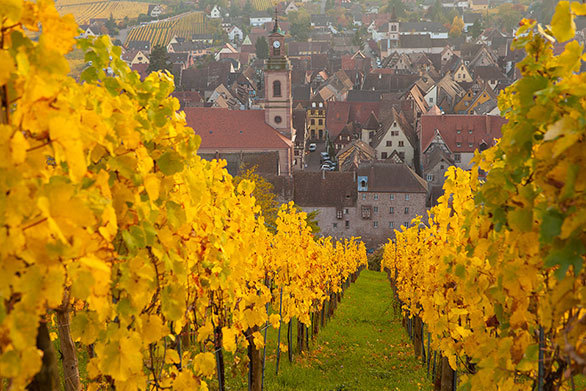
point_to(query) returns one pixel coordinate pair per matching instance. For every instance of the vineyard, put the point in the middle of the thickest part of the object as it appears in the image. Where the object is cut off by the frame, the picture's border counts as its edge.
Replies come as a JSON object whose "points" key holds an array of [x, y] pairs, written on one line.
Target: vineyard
{"points": [[118, 241], [493, 283], [258, 5], [161, 33], [150, 268], [83, 11]]}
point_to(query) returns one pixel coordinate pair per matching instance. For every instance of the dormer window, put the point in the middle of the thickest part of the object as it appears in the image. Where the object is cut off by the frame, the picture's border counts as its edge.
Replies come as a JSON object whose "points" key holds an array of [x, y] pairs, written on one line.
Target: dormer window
{"points": [[313, 104], [321, 104]]}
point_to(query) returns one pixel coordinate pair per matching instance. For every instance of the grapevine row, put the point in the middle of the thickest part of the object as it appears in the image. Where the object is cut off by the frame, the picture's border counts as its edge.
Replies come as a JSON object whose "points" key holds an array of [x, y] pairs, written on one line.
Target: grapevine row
{"points": [[117, 234], [161, 33], [496, 273], [83, 12]]}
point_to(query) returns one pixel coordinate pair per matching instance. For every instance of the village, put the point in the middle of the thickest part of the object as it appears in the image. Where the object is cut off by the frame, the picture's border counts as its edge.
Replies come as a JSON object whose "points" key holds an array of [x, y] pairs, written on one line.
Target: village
{"points": [[352, 109]]}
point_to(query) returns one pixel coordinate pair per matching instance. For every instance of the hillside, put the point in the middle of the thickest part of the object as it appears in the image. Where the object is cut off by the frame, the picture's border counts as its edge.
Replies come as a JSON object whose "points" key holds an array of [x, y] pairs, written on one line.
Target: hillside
{"points": [[161, 33], [84, 10]]}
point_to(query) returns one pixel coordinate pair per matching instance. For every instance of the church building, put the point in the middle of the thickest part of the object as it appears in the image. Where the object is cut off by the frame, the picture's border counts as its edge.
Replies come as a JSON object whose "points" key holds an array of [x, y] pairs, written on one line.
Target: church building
{"points": [[267, 132]]}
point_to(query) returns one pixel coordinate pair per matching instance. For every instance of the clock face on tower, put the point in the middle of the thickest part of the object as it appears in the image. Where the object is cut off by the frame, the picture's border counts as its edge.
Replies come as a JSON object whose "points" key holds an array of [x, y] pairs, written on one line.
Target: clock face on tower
{"points": [[276, 44]]}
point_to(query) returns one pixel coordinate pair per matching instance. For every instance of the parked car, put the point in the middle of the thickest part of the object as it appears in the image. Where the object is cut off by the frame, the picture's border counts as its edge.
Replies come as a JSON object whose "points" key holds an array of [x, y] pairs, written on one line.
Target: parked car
{"points": [[324, 155], [312, 147], [326, 167]]}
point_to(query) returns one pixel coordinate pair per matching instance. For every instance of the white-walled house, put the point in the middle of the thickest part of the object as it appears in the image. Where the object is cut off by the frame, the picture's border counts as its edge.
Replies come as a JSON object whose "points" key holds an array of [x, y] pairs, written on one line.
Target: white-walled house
{"points": [[235, 33], [216, 12], [257, 21]]}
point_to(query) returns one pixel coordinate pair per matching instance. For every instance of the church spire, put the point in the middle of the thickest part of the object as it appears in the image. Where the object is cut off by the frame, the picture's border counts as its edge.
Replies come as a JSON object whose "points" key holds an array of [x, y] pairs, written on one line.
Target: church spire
{"points": [[276, 28], [394, 14]]}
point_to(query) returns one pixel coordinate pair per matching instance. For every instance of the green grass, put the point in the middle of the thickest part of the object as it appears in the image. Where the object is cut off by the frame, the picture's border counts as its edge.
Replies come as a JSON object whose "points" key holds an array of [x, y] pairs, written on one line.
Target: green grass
{"points": [[363, 347]]}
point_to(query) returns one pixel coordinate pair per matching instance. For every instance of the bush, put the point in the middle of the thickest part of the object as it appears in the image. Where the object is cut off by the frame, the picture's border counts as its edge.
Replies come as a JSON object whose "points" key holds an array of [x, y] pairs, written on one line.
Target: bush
{"points": [[375, 259]]}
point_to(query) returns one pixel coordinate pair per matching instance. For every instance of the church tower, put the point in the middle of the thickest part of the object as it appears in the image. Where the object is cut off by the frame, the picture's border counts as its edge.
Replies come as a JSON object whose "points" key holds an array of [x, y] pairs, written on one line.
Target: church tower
{"points": [[278, 101], [394, 30]]}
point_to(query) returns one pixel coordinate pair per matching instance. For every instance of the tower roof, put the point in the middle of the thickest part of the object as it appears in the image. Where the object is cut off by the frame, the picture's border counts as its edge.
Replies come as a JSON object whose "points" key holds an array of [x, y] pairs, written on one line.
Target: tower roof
{"points": [[276, 28]]}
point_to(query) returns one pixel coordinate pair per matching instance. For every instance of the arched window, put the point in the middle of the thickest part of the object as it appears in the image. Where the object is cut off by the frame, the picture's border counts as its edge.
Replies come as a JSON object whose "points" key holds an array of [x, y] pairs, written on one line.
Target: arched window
{"points": [[276, 88]]}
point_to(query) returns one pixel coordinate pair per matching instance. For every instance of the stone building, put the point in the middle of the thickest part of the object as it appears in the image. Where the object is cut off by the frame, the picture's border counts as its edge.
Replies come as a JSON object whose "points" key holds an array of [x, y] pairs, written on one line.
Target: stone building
{"points": [[371, 202]]}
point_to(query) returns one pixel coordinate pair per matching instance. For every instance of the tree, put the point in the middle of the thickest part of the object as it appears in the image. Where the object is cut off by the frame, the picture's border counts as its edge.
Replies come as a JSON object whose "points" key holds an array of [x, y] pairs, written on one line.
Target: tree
{"points": [[262, 48], [300, 24], [508, 17], [263, 193], [476, 29], [397, 7], [111, 26], [357, 39], [457, 27], [159, 60]]}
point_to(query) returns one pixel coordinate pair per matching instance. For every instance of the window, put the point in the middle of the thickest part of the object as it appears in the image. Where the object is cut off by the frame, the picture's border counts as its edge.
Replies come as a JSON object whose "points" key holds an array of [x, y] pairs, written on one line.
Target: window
{"points": [[320, 121], [375, 209], [346, 211], [406, 197], [458, 145], [429, 177], [401, 144], [469, 131], [313, 121], [457, 158], [391, 224], [391, 210], [335, 225], [459, 131], [402, 155], [407, 210], [312, 104], [392, 197], [363, 196], [276, 88], [389, 143], [375, 224], [347, 224], [366, 212], [441, 166], [393, 27], [406, 224], [383, 155], [376, 197], [471, 145], [321, 104], [431, 100], [278, 119], [339, 214]]}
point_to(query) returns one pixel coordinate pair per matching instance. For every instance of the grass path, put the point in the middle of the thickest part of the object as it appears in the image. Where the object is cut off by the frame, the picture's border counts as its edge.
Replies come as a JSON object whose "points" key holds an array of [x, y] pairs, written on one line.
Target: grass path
{"points": [[363, 347]]}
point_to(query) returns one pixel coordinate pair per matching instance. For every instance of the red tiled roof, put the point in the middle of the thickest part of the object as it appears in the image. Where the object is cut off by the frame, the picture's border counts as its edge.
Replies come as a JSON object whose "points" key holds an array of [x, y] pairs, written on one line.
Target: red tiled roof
{"points": [[141, 69], [340, 113], [234, 129], [485, 128]]}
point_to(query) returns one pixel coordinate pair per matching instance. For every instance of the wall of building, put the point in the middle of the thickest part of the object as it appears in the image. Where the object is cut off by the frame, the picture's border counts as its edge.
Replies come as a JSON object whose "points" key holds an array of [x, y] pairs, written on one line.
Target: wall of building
{"points": [[353, 224], [285, 156], [379, 233], [407, 148]]}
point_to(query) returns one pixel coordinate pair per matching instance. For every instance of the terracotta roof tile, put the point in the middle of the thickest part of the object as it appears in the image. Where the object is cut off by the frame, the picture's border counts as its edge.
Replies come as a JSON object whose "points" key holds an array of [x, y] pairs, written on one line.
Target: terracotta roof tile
{"points": [[485, 128], [234, 129]]}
